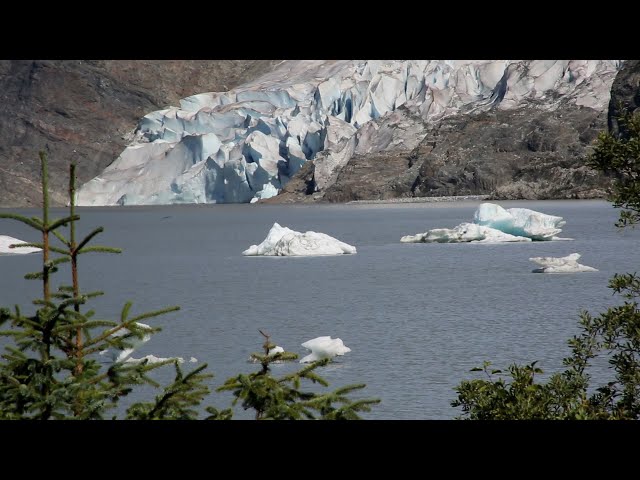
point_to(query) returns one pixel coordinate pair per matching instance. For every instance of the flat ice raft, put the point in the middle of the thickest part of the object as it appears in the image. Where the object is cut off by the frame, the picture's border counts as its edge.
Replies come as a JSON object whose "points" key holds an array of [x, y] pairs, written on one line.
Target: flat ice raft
{"points": [[282, 241], [494, 224], [568, 264], [6, 241]]}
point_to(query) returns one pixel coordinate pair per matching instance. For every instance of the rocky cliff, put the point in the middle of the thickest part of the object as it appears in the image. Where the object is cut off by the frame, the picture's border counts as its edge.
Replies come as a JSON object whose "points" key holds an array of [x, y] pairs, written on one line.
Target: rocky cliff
{"points": [[87, 110]]}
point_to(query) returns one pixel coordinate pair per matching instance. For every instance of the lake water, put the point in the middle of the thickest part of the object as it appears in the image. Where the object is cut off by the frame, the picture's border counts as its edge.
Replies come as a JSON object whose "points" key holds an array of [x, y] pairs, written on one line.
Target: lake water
{"points": [[417, 317]]}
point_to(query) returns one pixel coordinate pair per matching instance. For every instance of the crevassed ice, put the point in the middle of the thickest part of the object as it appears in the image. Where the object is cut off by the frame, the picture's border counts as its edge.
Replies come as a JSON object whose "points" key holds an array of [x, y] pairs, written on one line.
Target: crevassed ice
{"points": [[245, 144], [282, 241]]}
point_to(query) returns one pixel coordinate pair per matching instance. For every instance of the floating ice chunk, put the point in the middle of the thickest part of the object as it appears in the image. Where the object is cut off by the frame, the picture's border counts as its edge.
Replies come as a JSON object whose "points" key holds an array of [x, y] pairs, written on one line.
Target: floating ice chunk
{"points": [[6, 241], [151, 359], [465, 232], [276, 349], [568, 264], [282, 241], [193, 360], [324, 347], [522, 222], [121, 355], [494, 224]]}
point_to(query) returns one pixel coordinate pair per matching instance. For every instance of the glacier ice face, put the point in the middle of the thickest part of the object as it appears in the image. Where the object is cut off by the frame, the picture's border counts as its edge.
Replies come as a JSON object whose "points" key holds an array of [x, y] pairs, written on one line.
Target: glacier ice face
{"points": [[568, 264], [6, 241], [494, 224], [240, 145], [324, 347], [282, 241]]}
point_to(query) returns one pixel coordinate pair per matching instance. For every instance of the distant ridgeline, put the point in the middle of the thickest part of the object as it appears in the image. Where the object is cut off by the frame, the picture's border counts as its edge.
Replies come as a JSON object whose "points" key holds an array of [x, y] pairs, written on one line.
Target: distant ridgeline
{"points": [[361, 130]]}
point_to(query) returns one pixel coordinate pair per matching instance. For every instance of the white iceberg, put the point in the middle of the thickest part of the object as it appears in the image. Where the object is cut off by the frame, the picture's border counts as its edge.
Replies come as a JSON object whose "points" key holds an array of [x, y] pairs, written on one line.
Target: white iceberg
{"points": [[568, 264], [151, 359], [522, 222], [465, 232], [494, 224], [274, 350], [324, 347], [116, 355], [282, 241], [6, 241]]}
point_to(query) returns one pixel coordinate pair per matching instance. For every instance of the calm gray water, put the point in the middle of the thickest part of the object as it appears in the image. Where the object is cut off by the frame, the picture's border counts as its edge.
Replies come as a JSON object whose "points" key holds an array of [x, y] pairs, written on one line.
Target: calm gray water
{"points": [[417, 317]]}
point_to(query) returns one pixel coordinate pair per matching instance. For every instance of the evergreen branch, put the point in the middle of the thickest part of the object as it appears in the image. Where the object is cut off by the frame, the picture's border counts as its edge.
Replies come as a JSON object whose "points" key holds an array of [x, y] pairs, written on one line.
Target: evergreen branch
{"points": [[62, 221], [155, 313], [99, 249], [60, 237], [88, 238], [23, 219]]}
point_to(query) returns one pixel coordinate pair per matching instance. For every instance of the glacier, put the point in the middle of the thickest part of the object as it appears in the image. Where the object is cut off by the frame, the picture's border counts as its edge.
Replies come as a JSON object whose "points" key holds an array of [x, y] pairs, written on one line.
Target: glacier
{"points": [[244, 145], [6, 241], [324, 347], [282, 241], [495, 224], [568, 264]]}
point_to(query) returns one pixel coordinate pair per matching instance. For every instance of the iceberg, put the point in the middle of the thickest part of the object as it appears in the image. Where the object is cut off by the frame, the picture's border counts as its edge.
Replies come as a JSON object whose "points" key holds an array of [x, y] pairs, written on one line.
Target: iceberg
{"points": [[116, 355], [324, 347], [568, 264], [465, 232], [494, 224], [282, 241], [6, 241], [151, 359], [521, 222]]}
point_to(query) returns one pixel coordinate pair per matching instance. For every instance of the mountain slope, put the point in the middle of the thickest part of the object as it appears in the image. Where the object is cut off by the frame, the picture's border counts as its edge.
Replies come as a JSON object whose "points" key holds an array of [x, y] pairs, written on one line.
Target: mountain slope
{"points": [[248, 143], [86, 110]]}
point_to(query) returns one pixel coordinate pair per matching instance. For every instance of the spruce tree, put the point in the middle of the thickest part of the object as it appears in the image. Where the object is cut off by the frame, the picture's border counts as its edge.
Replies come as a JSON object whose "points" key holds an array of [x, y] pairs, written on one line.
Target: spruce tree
{"points": [[281, 398], [50, 370], [614, 334]]}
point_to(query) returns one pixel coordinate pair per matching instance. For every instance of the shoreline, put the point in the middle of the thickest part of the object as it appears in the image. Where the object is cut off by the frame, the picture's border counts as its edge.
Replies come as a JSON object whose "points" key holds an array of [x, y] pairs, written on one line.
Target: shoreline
{"points": [[452, 198]]}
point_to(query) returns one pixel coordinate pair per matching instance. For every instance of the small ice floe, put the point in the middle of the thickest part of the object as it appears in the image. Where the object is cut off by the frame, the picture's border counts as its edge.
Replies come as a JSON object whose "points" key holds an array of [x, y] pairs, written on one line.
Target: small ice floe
{"points": [[272, 352], [121, 355], [324, 347], [6, 241], [151, 359], [282, 241], [193, 360], [568, 264]]}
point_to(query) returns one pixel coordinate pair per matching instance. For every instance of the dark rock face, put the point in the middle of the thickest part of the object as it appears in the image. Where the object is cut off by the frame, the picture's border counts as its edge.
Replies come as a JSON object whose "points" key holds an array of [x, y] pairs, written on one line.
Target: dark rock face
{"points": [[625, 93], [86, 111], [517, 154]]}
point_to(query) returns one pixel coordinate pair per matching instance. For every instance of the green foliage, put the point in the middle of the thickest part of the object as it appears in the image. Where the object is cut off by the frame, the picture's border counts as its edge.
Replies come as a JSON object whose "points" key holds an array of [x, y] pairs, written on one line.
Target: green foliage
{"points": [[49, 369], [178, 400], [614, 334], [274, 398], [620, 156]]}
